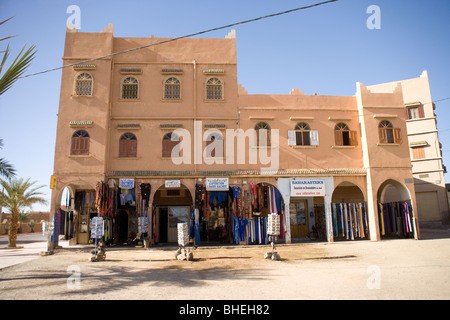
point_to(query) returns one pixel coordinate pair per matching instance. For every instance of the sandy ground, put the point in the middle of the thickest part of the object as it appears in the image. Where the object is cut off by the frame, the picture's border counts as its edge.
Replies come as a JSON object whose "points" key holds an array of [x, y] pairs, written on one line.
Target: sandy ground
{"points": [[389, 269]]}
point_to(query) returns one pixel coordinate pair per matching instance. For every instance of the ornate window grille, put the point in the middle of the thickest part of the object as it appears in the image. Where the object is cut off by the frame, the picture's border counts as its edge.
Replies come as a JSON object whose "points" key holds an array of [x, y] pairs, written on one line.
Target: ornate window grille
{"points": [[130, 88], [214, 89], [83, 84], [172, 88]]}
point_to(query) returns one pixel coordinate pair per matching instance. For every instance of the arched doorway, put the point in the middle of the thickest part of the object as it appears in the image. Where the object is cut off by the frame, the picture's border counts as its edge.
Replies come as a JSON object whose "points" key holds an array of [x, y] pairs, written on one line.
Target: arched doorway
{"points": [[172, 206], [395, 211], [349, 213], [75, 202], [263, 199]]}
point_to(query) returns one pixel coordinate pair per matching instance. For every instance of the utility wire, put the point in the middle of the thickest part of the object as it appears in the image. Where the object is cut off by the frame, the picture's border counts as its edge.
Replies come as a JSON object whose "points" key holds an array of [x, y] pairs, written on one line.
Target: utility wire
{"points": [[185, 36]]}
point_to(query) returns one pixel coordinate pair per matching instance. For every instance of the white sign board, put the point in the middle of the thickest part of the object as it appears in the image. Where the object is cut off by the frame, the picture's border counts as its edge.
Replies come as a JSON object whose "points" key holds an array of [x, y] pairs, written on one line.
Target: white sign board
{"points": [[172, 183], [217, 184], [126, 183], [308, 188]]}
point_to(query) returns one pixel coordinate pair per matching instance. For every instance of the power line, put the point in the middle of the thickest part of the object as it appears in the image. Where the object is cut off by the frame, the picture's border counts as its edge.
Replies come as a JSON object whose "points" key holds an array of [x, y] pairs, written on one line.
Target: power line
{"points": [[185, 36]]}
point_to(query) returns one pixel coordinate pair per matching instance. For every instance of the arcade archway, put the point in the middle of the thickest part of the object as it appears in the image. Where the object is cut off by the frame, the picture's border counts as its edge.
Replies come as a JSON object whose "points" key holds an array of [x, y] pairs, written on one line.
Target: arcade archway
{"points": [[395, 211], [349, 213]]}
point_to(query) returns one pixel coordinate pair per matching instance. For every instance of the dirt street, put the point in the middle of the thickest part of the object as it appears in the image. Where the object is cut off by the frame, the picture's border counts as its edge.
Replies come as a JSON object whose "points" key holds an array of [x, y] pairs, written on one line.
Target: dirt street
{"points": [[389, 269]]}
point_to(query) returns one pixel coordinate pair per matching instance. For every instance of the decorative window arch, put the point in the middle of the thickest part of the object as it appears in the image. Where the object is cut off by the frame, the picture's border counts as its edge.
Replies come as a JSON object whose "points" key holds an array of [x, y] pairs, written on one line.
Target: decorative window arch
{"points": [[217, 151], [83, 84], [129, 88], [214, 89], [128, 145], [260, 140], [80, 143], [172, 88], [344, 136], [302, 134], [170, 140], [388, 134]]}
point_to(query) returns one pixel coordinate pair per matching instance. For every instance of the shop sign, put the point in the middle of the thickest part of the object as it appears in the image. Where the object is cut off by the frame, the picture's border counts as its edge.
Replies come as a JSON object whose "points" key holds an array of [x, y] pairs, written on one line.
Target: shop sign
{"points": [[172, 183], [308, 188], [126, 183], [217, 184]]}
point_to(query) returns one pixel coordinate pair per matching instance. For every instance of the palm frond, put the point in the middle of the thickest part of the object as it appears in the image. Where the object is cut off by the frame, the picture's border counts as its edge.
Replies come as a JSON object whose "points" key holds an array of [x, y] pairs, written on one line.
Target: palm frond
{"points": [[6, 169], [2, 22], [17, 68]]}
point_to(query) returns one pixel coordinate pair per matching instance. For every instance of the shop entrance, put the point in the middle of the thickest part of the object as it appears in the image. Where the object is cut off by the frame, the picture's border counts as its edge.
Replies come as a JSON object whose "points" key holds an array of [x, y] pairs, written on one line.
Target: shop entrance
{"points": [[172, 206], [162, 223], [299, 218], [167, 221], [123, 226]]}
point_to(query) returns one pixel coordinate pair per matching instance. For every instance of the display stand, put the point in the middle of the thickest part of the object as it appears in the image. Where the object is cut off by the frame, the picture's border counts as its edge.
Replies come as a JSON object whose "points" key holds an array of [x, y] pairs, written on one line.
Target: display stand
{"points": [[183, 253], [273, 230], [143, 223], [97, 232]]}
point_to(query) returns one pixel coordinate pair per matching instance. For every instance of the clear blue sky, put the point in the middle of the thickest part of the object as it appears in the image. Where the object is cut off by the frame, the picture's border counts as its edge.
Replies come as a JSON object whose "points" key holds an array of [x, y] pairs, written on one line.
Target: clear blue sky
{"points": [[323, 50]]}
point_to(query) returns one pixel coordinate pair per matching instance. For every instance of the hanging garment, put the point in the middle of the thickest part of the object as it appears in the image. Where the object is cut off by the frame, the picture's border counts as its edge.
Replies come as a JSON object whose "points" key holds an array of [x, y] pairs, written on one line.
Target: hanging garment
{"points": [[198, 195], [145, 192]]}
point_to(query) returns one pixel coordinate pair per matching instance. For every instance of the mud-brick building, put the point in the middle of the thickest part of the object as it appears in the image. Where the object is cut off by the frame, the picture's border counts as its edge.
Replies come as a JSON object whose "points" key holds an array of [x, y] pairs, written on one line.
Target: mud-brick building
{"points": [[167, 132]]}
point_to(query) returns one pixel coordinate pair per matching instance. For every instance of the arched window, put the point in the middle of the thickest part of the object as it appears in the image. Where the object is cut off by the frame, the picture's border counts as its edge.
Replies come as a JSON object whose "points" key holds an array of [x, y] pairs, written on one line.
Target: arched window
{"points": [[172, 88], [128, 146], [214, 89], [80, 143], [83, 84], [343, 136], [388, 134], [302, 134], [215, 150], [262, 134], [170, 140], [130, 88]]}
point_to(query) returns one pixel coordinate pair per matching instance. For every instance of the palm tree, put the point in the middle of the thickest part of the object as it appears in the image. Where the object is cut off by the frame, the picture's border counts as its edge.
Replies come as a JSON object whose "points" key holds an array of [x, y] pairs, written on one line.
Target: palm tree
{"points": [[18, 194]]}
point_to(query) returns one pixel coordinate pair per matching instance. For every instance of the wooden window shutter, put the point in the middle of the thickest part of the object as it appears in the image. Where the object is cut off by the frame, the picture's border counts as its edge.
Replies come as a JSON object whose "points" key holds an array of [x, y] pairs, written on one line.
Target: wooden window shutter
{"points": [[75, 147], [314, 137], [84, 145], [397, 135], [421, 112], [418, 153], [338, 138], [353, 138], [213, 150], [382, 135], [122, 148], [406, 113], [127, 148], [292, 138], [133, 148], [172, 145], [166, 148], [264, 139]]}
